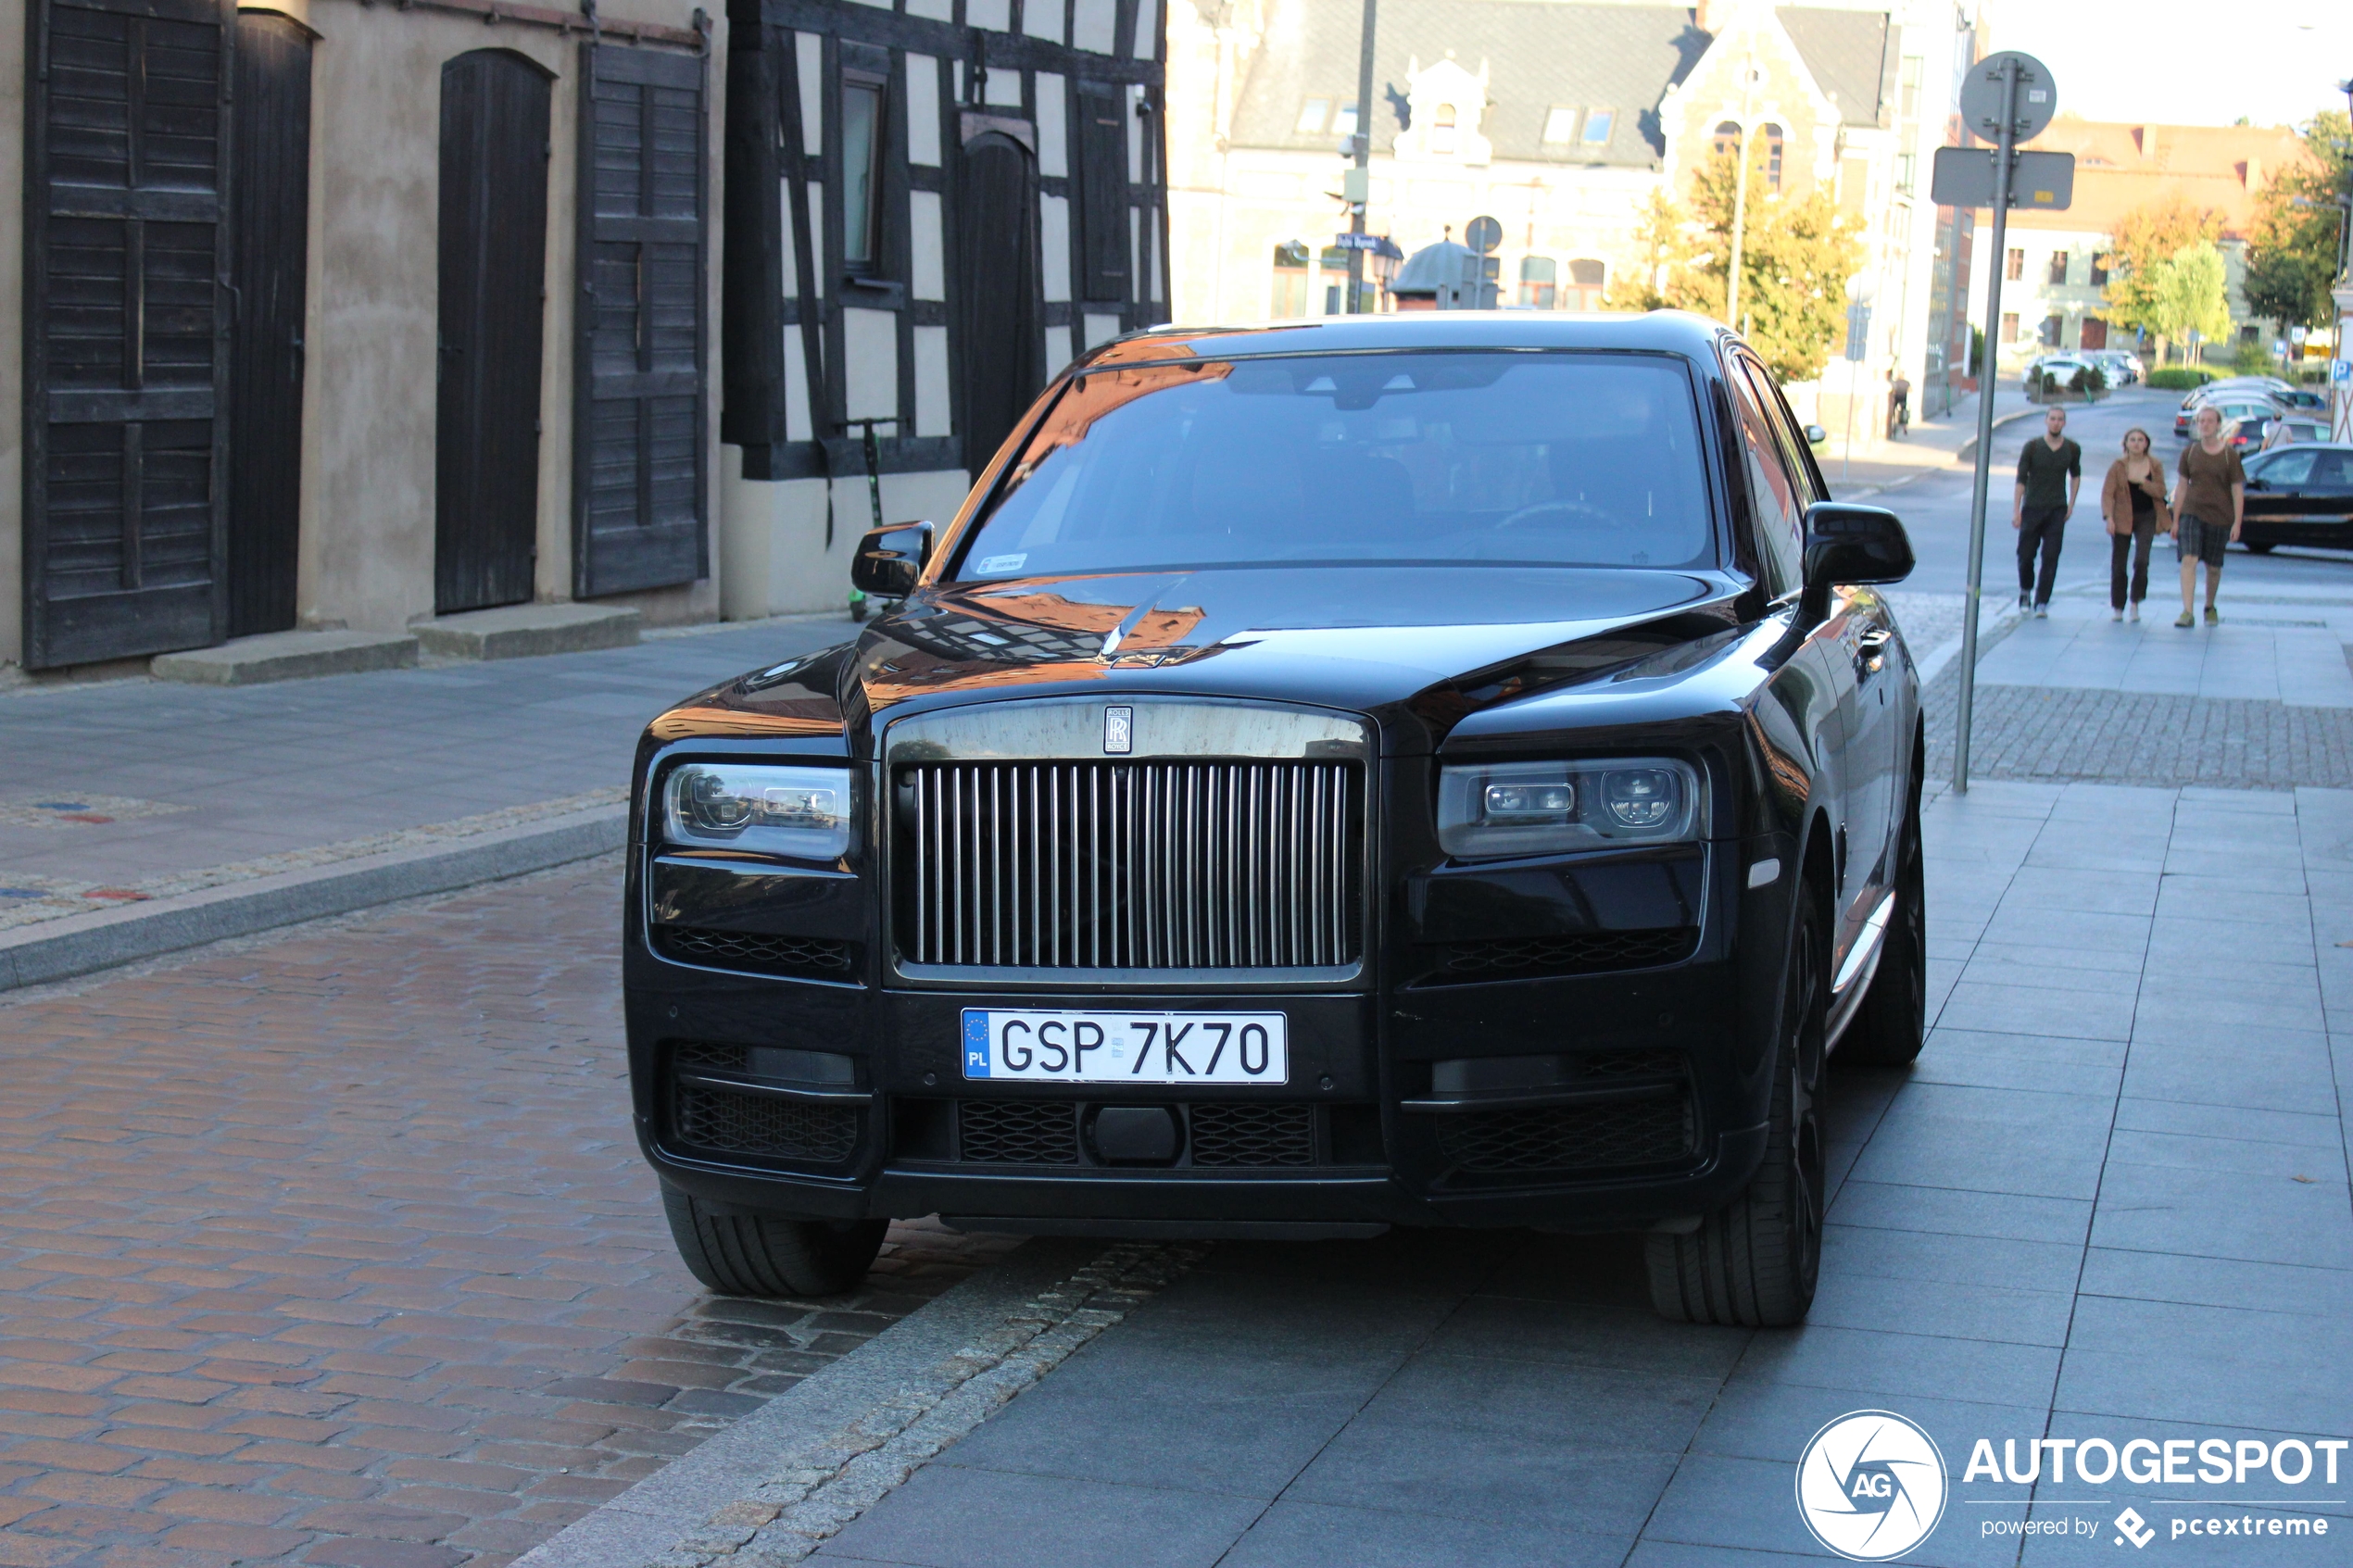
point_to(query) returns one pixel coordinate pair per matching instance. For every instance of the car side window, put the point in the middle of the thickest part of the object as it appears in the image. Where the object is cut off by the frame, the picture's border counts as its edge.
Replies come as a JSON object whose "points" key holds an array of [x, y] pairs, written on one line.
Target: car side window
{"points": [[1791, 438], [1776, 511], [2333, 471], [2286, 470]]}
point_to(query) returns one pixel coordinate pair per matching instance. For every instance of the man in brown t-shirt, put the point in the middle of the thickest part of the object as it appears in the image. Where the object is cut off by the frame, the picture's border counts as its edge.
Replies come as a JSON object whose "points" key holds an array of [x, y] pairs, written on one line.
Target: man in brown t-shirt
{"points": [[2209, 507]]}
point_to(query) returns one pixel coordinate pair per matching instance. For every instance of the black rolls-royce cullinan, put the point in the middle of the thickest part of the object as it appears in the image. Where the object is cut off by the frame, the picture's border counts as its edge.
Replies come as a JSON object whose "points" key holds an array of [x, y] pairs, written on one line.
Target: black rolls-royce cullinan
{"points": [[1442, 769]]}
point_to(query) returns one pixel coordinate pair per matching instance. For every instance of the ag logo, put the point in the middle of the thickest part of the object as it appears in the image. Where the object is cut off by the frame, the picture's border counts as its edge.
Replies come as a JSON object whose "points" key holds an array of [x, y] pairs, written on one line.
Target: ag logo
{"points": [[1870, 1485]]}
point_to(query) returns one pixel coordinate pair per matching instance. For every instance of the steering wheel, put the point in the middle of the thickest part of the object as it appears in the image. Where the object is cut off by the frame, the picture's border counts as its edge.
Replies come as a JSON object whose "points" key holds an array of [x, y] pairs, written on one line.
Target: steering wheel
{"points": [[1577, 512]]}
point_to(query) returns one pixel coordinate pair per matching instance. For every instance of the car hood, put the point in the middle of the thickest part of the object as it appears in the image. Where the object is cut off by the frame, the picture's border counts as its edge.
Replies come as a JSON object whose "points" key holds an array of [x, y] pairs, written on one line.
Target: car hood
{"points": [[1418, 647]]}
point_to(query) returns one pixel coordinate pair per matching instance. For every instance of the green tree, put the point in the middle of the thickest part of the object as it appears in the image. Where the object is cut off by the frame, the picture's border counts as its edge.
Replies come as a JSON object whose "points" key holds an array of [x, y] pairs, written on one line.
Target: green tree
{"points": [[2188, 292], [2145, 244], [1796, 255], [2291, 248]]}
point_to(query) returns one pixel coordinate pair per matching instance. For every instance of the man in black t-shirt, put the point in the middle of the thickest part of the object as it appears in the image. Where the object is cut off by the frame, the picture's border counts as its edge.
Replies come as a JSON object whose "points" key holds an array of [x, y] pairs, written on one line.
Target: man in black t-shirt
{"points": [[2050, 471]]}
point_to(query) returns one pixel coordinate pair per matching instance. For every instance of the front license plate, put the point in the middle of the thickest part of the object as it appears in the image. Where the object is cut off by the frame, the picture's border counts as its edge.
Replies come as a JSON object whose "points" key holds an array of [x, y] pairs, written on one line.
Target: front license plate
{"points": [[1128, 1048]]}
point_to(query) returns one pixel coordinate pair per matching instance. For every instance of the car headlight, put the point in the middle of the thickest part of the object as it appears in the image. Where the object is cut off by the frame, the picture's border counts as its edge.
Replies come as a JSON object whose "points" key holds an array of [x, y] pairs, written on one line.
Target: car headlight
{"points": [[803, 812], [1497, 809]]}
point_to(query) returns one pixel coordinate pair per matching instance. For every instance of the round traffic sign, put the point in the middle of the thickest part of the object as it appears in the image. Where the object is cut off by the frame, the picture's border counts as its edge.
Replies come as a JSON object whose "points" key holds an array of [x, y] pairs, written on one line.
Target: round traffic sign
{"points": [[1483, 234], [1981, 97]]}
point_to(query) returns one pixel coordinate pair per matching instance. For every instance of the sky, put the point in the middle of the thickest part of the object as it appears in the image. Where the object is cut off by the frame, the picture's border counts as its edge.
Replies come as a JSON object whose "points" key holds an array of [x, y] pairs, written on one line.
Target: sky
{"points": [[2179, 63]]}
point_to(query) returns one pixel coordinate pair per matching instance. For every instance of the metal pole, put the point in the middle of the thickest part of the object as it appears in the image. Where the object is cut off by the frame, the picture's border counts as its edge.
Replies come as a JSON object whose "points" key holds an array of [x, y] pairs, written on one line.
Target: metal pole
{"points": [[2005, 156], [1846, 458], [1364, 159]]}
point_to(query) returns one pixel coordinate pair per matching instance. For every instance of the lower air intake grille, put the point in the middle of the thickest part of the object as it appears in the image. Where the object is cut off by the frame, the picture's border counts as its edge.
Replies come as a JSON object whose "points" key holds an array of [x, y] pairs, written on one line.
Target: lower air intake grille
{"points": [[805, 958], [1254, 1135], [1590, 952], [1653, 1131], [727, 1123], [1013, 1132]]}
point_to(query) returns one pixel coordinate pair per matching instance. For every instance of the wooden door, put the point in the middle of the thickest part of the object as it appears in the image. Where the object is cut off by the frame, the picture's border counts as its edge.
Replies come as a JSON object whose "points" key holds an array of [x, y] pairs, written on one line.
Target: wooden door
{"points": [[640, 483], [999, 350], [494, 261], [126, 350], [270, 214]]}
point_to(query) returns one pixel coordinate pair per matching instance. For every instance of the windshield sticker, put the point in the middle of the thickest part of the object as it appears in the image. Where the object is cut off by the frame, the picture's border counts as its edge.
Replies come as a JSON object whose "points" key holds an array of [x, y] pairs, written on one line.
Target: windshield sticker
{"points": [[1003, 563]]}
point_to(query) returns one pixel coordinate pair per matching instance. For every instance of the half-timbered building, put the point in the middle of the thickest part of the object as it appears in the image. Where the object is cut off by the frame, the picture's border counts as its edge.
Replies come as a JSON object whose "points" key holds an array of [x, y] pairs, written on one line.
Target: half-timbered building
{"points": [[932, 206]]}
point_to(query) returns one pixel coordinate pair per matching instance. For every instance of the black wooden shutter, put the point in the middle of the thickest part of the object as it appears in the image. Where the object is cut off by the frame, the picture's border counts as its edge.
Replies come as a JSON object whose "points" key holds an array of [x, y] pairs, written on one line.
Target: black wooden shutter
{"points": [[1103, 191], [640, 483], [126, 359]]}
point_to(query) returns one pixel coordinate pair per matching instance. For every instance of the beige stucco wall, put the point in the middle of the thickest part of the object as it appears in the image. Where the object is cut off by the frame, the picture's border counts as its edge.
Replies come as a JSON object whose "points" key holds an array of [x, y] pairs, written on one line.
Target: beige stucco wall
{"points": [[366, 552], [368, 459], [778, 562]]}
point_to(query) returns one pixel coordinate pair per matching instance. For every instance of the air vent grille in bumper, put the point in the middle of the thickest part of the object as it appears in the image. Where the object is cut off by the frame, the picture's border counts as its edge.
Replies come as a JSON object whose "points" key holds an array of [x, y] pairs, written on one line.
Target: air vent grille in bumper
{"points": [[727, 1123], [1254, 1135], [1655, 1130], [800, 957], [1591, 952]]}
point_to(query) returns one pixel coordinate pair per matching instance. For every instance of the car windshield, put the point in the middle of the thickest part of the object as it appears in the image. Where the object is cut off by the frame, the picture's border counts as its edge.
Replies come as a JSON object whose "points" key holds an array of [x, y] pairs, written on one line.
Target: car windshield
{"points": [[1543, 458]]}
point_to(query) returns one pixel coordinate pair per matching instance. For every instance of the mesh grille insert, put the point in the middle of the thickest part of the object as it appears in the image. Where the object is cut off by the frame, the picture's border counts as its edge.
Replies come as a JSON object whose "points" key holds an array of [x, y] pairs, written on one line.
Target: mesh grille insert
{"points": [[1016, 1131], [1589, 952], [811, 958], [1570, 1137], [774, 1129], [1254, 1135]]}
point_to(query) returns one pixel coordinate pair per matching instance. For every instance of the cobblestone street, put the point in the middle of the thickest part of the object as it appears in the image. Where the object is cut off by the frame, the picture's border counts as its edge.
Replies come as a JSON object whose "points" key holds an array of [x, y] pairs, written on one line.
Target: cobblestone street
{"points": [[336, 1249]]}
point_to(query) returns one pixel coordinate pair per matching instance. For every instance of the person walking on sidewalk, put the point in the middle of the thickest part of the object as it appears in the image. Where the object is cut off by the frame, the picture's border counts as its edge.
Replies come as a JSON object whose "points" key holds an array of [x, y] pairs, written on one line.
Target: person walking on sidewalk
{"points": [[2209, 507], [2050, 472], [1899, 407], [2132, 504]]}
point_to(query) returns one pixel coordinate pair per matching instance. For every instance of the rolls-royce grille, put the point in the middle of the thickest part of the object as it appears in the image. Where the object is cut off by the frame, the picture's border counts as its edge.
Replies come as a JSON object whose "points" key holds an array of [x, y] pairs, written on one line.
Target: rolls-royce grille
{"points": [[1655, 1130], [1129, 865]]}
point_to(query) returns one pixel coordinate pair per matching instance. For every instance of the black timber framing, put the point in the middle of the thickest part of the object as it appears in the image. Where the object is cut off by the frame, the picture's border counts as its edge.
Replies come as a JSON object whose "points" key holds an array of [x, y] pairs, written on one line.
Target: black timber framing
{"points": [[758, 312]]}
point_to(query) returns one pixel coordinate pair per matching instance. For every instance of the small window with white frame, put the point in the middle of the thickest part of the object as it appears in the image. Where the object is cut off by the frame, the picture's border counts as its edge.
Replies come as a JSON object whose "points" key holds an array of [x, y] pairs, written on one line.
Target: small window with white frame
{"points": [[1560, 125], [1311, 117]]}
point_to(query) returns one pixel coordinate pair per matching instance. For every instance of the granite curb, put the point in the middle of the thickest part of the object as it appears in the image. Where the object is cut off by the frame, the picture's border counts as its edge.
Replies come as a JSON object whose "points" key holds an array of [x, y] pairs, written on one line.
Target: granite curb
{"points": [[666, 1510], [76, 945]]}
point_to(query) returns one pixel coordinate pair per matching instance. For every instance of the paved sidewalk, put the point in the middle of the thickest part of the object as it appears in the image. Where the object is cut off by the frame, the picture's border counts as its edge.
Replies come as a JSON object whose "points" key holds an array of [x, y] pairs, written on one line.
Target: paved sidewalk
{"points": [[2110, 1200], [141, 789], [335, 1249]]}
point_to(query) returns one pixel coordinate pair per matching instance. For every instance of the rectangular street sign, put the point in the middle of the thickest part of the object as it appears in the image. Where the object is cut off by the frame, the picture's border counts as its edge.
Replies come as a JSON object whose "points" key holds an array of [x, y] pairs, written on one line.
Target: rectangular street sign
{"points": [[1356, 242], [1858, 332], [1963, 177]]}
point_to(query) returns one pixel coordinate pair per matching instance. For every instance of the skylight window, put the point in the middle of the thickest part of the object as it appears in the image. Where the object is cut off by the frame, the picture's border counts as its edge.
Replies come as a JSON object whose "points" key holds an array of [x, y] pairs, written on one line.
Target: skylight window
{"points": [[1344, 121], [1311, 117], [1560, 125], [1597, 126]]}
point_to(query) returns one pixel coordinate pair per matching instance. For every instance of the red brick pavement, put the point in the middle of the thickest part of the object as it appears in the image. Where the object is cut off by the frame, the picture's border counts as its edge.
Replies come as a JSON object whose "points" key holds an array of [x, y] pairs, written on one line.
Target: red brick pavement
{"points": [[338, 1250]]}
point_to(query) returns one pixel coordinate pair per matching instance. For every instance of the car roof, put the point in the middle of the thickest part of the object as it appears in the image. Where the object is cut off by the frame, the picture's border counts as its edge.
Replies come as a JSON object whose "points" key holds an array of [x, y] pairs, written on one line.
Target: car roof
{"points": [[1672, 331]]}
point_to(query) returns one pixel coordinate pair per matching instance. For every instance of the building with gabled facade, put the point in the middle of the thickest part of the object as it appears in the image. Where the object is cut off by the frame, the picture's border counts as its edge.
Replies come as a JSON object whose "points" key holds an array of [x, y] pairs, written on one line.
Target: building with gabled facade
{"points": [[1561, 120]]}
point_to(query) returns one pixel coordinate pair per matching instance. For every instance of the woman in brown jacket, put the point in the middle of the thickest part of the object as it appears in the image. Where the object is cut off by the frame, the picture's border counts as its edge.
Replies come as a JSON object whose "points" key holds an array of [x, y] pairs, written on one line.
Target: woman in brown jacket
{"points": [[2133, 502]]}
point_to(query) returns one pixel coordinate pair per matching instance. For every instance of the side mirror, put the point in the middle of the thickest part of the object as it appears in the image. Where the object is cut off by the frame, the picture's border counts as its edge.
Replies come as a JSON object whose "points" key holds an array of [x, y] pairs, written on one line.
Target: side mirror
{"points": [[1816, 436], [889, 561], [1850, 544]]}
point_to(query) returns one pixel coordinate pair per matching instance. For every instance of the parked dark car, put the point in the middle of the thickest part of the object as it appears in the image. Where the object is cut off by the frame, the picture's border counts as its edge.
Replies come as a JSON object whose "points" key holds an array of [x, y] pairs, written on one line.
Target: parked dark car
{"points": [[1442, 769], [2300, 494]]}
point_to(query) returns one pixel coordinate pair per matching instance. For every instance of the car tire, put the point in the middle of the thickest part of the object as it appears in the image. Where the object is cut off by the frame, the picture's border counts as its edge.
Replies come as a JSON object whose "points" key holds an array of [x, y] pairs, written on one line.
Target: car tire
{"points": [[1753, 1262], [1891, 1024], [2262, 550], [763, 1255]]}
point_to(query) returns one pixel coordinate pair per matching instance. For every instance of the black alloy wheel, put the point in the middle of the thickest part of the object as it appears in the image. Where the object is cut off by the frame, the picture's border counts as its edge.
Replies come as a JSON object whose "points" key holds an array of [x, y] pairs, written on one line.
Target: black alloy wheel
{"points": [[737, 1253], [1753, 1262], [1891, 1024]]}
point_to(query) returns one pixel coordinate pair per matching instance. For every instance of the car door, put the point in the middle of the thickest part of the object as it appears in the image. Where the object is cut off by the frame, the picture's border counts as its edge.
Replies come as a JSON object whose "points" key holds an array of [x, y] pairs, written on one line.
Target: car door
{"points": [[2274, 493], [1857, 642], [2326, 503]]}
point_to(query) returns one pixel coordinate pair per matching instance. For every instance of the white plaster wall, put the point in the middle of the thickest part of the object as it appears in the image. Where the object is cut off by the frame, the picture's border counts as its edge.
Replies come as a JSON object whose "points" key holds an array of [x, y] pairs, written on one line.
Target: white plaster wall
{"points": [[775, 533]]}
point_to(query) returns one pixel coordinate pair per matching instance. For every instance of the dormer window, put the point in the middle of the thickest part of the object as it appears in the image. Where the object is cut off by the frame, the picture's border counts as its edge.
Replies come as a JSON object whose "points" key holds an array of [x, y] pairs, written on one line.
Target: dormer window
{"points": [[1441, 130]]}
